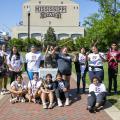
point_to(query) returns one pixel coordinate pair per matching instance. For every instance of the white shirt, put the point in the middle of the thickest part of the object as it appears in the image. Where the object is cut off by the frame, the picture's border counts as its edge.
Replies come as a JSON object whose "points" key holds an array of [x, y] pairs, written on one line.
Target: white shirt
{"points": [[34, 85], [2, 53], [19, 86], [96, 60], [33, 61], [82, 60], [14, 62], [97, 89]]}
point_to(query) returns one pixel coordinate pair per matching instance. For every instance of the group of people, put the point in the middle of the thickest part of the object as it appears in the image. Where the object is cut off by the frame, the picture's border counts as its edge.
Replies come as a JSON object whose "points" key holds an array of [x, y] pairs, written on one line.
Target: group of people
{"points": [[92, 62]]}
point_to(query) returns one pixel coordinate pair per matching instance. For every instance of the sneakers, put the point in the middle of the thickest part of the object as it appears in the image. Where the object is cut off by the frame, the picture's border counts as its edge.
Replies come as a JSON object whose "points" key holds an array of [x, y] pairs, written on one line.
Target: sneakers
{"points": [[59, 102], [4, 91], [50, 106], [14, 100], [23, 100], [67, 102], [44, 106]]}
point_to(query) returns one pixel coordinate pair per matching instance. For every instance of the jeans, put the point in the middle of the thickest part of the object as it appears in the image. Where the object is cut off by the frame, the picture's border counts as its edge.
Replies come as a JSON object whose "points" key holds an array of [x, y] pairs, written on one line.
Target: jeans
{"points": [[99, 74], [93, 99], [79, 77], [60, 92]]}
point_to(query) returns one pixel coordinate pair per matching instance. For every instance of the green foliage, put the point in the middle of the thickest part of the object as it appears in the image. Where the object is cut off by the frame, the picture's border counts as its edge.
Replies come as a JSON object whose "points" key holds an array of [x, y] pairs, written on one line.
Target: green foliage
{"points": [[24, 45], [69, 43], [50, 36], [104, 27]]}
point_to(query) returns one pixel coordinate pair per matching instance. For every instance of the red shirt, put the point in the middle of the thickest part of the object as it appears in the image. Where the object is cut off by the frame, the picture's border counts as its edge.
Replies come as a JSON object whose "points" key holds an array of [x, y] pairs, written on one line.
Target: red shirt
{"points": [[113, 57]]}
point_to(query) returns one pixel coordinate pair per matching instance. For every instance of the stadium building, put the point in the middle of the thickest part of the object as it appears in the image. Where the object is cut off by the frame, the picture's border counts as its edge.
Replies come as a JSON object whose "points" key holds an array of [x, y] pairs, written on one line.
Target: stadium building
{"points": [[38, 15]]}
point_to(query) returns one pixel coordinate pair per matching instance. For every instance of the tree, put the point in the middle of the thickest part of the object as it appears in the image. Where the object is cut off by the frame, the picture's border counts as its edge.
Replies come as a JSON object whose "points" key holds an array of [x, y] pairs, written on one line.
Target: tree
{"points": [[104, 27], [50, 36]]}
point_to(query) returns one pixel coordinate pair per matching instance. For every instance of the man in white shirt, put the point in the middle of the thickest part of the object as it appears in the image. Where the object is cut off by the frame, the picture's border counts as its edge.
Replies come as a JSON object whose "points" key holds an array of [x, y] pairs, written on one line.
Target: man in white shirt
{"points": [[95, 63], [33, 60]]}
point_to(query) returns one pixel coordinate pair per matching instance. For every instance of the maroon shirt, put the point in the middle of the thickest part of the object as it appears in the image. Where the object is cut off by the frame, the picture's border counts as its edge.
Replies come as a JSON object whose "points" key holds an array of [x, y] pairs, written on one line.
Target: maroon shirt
{"points": [[113, 63]]}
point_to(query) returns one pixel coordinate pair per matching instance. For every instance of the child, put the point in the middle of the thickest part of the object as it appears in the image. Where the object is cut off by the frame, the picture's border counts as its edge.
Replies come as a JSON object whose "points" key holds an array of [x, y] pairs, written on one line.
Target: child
{"points": [[18, 90], [61, 88], [34, 91], [97, 95], [47, 91]]}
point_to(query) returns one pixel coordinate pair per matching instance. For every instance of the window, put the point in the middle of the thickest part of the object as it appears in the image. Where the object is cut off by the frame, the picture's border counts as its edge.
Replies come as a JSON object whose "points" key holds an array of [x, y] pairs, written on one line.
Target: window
{"points": [[61, 2]]}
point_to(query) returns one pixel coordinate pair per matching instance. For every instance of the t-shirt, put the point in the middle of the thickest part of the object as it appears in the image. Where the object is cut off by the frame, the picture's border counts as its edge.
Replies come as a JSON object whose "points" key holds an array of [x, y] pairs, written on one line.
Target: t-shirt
{"points": [[64, 63], [97, 89], [3, 56], [82, 60], [19, 86], [15, 61], [61, 84], [113, 64], [95, 61], [47, 85], [34, 85], [33, 61]]}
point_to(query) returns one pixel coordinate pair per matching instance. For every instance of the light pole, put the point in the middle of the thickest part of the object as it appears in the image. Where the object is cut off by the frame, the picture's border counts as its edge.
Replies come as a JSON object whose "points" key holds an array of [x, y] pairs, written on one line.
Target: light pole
{"points": [[28, 12]]}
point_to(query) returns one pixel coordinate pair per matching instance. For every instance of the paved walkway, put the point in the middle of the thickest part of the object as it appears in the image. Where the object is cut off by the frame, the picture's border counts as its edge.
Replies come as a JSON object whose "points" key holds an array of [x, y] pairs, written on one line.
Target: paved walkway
{"points": [[30, 111]]}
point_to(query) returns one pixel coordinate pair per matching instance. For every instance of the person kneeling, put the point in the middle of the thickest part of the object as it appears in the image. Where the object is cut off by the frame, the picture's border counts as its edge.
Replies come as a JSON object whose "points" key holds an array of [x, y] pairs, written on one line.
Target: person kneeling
{"points": [[18, 90], [61, 88], [47, 91], [97, 95], [34, 92]]}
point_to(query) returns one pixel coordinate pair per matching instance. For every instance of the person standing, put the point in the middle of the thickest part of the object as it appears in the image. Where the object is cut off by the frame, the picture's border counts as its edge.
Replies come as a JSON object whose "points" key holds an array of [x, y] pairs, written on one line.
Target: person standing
{"points": [[64, 62], [33, 60], [113, 56], [4, 53], [15, 63], [95, 63], [83, 66]]}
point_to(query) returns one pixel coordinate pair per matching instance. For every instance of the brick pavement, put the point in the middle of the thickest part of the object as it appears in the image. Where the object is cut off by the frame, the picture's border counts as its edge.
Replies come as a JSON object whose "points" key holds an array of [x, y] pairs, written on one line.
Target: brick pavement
{"points": [[30, 111]]}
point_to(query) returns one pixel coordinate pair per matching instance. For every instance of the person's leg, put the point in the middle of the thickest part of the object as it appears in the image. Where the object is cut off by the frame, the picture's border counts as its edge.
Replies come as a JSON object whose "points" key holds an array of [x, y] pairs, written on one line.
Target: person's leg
{"points": [[12, 76], [115, 82], [67, 102], [84, 81], [110, 80], [5, 80], [51, 98], [100, 99], [100, 74], [91, 75], [91, 101], [78, 82], [43, 98], [1, 79], [57, 93], [67, 78]]}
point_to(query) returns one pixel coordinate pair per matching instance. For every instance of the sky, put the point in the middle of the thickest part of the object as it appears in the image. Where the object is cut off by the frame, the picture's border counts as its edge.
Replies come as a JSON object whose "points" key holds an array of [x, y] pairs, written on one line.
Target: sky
{"points": [[11, 12]]}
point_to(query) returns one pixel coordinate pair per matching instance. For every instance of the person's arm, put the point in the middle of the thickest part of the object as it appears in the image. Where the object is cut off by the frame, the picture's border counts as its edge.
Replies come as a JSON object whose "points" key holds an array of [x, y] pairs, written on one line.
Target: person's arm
{"points": [[91, 88], [103, 88], [21, 65], [9, 63], [102, 56], [66, 86]]}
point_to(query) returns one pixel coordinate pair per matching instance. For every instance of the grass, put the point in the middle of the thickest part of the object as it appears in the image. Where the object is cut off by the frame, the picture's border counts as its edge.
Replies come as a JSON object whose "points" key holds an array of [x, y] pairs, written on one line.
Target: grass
{"points": [[114, 99]]}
